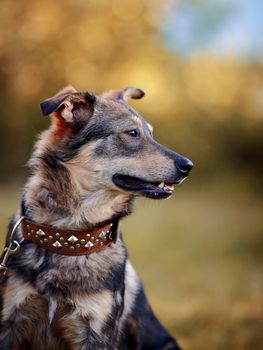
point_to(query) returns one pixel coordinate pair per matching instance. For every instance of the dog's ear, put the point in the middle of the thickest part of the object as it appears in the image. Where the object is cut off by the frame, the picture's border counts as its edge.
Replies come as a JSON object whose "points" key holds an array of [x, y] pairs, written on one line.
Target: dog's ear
{"points": [[64, 102], [52, 104], [124, 94]]}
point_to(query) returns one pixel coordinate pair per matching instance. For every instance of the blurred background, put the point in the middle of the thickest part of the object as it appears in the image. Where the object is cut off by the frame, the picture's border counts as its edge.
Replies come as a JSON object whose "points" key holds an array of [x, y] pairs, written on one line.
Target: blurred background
{"points": [[201, 65]]}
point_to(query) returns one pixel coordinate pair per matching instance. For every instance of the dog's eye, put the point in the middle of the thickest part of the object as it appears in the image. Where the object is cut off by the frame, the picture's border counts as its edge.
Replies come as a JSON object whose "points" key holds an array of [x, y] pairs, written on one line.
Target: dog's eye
{"points": [[134, 133]]}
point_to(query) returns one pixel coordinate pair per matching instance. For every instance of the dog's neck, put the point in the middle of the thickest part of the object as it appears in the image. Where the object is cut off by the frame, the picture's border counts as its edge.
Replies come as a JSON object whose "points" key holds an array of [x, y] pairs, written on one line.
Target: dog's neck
{"points": [[71, 207]]}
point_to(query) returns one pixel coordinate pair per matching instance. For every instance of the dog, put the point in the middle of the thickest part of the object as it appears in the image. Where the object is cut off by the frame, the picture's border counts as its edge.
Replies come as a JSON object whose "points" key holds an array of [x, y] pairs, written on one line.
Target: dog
{"points": [[70, 284]]}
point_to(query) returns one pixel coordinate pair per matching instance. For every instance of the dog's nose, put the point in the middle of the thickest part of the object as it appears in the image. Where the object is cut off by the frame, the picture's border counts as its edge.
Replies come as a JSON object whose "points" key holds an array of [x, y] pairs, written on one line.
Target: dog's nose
{"points": [[184, 165]]}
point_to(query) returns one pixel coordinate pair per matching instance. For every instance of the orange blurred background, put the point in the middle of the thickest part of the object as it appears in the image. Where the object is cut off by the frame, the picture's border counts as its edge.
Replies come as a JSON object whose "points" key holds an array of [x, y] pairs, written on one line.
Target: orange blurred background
{"points": [[200, 63]]}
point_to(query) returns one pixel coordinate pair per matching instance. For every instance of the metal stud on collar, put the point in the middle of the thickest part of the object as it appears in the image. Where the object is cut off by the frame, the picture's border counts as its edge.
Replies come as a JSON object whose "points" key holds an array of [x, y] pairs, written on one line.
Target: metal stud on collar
{"points": [[57, 244], [40, 233], [89, 245], [103, 234], [72, 239]]}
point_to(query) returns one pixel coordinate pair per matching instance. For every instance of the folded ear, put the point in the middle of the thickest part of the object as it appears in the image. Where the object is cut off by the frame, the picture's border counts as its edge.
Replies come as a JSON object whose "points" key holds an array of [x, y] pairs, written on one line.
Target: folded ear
{"points": [[64, 102], [54, 103], [124, 94]]}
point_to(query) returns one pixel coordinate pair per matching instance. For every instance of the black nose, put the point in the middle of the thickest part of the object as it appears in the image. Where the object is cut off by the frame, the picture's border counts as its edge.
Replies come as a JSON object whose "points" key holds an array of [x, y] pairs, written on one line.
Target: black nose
{"points": [[184, 165]]}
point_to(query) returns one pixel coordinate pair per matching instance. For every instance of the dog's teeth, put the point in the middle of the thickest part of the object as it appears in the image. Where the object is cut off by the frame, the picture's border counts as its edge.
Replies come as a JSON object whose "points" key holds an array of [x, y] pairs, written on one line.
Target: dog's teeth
{"points": [[161, 185], [169, 188]]}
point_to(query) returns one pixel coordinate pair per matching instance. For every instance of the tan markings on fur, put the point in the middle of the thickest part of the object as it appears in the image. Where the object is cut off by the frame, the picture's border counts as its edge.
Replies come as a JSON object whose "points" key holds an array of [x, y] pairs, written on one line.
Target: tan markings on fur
{"points": [[103, 205], [39, 189], [70, 322], [16, 292], [97, 307], [25, 326], [81, 168], [132, 284], [155, 165], [71, 328], [99, 200]]}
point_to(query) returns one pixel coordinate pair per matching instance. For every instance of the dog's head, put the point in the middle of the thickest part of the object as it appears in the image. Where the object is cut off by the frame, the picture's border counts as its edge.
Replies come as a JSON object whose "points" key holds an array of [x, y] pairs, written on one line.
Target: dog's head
{"points": [[106, 144]]}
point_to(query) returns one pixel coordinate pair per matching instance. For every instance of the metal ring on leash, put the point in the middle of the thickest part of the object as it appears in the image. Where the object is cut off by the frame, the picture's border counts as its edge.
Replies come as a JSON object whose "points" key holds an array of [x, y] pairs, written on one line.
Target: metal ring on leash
{"points": [[11, 249]]}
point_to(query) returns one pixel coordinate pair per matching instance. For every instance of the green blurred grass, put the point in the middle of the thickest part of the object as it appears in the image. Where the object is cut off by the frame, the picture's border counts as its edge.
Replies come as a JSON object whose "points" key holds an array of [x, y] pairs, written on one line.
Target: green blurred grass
{"points": [[200, 257]]}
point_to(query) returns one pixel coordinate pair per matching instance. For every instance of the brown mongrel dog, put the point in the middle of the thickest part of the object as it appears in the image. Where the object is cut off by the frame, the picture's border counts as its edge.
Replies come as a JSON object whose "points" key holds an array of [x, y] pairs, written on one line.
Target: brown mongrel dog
{"points": [[75, 290]]}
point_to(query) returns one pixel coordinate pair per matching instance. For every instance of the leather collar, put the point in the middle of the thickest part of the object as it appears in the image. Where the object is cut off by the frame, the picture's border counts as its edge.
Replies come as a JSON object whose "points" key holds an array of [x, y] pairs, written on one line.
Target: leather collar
{"points": [[70, 242]]}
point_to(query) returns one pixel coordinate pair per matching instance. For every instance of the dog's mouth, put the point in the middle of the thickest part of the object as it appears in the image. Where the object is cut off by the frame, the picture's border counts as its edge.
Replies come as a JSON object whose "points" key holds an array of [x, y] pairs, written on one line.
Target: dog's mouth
{"points": [[153, 190]]}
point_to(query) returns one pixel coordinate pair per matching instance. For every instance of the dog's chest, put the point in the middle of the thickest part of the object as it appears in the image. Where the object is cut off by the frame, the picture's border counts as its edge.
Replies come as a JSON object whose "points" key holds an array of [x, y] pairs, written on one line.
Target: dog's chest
{"points": [[85, 299], [96, 308], [72, 300], [66, 322], [91, 317]]}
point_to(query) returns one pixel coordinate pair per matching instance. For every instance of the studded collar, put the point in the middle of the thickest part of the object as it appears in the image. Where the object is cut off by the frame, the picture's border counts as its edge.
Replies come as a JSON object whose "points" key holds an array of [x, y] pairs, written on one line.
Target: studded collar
{"points": [[70, 242]]}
